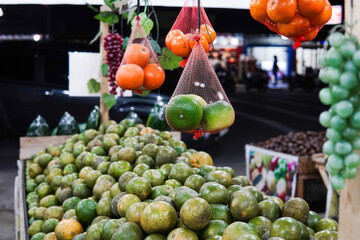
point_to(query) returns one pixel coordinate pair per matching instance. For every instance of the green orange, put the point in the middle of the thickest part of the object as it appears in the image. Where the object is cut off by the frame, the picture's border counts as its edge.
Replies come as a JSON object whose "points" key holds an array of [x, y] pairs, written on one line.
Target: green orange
{"points": [[184, 113]]}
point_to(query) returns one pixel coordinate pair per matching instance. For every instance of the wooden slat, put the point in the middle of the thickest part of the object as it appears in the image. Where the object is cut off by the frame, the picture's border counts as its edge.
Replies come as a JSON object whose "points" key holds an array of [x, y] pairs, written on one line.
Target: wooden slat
{"points": [[323, 173], [104, 87], [349, 212], [318, 158], [22, 207], [31, 145]]}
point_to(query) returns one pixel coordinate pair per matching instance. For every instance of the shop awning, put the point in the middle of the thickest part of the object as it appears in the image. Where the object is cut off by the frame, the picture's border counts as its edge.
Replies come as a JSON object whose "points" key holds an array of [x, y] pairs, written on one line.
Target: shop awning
{"points": [[230, 4]]}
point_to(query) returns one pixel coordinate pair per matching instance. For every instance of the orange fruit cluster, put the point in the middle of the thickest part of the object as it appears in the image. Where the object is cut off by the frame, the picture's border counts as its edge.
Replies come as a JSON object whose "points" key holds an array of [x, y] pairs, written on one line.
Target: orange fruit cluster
{"points": [[182, 44], [295, 19], [138, 73]]}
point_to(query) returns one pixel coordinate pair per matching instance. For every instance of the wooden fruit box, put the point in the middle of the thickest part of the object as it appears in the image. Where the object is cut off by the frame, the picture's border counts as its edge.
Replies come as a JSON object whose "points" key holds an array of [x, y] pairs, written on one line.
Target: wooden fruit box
{"points": [[306, 165], [29, 146], [349, 209]]}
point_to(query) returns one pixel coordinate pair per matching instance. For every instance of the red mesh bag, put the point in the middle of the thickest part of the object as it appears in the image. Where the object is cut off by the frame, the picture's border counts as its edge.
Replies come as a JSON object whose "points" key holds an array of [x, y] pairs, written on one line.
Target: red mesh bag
{"points": [[185, 32], [139, 70], [199, 103], [299, 20]]}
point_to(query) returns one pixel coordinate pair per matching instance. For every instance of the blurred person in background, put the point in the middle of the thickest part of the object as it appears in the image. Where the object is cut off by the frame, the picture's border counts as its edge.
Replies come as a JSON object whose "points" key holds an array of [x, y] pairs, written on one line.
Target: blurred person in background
{"points": [[275, 70]]}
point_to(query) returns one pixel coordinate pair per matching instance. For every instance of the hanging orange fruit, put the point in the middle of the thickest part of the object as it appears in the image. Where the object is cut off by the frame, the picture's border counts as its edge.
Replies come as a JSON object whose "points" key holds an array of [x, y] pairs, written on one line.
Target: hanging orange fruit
{"points": [[299, 20]]}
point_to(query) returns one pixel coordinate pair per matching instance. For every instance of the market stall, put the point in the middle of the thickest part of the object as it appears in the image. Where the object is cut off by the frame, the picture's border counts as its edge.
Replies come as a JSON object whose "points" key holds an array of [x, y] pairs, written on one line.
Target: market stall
{"points": [[128, 180]]}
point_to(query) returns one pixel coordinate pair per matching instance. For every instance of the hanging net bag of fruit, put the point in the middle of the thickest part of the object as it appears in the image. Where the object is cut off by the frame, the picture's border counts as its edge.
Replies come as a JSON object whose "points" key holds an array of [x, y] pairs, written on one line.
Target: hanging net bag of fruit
{"points": [[299, 20], [185, 32], [139, 70], [199, 103]]}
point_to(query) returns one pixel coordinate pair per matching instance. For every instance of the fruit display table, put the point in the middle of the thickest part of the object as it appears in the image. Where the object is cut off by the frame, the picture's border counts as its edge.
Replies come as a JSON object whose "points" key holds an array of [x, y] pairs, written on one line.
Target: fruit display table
{"points": [[29, 146]]}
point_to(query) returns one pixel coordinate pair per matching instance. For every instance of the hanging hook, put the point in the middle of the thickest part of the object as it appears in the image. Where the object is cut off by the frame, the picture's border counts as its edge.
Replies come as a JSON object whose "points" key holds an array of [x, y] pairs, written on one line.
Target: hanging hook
{"points": [[199, 15], [138, 10]]}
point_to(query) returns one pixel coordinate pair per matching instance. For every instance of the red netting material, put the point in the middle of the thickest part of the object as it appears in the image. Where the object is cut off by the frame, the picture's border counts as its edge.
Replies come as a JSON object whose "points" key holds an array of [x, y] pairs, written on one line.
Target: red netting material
{"points": [[186, 31], [139, 70], [187, 20], [300, 22], [199, 103]]}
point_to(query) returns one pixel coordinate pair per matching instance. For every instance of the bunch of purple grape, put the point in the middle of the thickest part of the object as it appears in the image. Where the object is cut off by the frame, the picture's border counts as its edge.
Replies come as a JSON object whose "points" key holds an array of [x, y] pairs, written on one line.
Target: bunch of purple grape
{"points": [[113, 46]]}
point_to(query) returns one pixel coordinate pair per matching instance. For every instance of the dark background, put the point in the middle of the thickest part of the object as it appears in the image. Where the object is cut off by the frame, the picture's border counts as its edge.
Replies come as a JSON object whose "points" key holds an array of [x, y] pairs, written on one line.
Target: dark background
{"points": [[71, 28]]}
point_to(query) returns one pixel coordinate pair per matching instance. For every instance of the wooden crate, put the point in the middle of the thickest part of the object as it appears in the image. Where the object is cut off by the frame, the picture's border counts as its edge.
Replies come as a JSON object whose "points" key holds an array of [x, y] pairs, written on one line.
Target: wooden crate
{"points": [[29, 146], [306, 165], [306, 171]]}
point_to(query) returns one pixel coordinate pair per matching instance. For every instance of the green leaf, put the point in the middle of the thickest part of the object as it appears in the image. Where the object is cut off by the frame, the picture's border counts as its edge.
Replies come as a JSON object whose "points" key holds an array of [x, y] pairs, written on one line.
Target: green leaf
{"points": [[146, 23], [104, 69], [110, 3], [168, 60], [93, 86], [155, 46], [92, 7], [109, 100], [107, 17], [125, 43]]}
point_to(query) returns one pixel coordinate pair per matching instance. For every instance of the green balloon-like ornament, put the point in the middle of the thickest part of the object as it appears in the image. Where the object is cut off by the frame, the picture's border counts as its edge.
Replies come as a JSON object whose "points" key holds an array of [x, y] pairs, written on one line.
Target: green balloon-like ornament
{"points": [[348, 80], [326, 96], [355, 100], [352, 160], [333, 135], [344, 108], [335, 162], [338, 182], [336, 39], [325, 118], [349, 173], [355, 119], [356, 58], [338, 123], [339, 92], [343, 147], [350, 133], [356, 143], [328, 147]]}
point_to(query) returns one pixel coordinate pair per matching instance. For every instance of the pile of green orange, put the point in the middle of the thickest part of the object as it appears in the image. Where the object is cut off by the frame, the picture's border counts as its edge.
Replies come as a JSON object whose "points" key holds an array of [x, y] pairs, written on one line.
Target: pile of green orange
{"points": [[191, 112], [129, 182]]}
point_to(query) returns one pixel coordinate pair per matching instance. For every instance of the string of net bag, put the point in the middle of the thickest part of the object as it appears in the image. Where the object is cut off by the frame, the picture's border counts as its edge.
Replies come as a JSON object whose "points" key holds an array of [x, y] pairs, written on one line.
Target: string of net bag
{"points": [[140, 70], [199, 103], [186, 32]]}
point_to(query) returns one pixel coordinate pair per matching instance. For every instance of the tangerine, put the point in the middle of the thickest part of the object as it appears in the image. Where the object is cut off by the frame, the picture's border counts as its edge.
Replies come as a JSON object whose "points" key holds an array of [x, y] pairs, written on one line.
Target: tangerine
{"points": [[171, 35], [258, 10], [130, 77], [208, 32], [296, 27], [271, 25], [311, 34], [311, 8], [281, 11], [137, 54], [323, 17], [203, 42], [154, 76], [180, 46]]}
